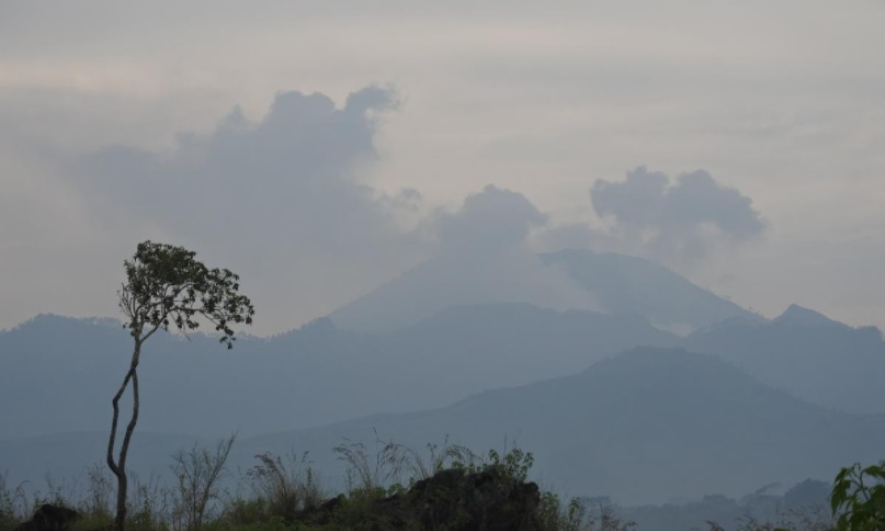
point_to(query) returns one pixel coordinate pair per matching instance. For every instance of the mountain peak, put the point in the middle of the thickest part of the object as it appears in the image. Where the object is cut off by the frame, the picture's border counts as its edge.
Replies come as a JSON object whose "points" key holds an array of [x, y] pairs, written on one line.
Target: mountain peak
{"points": [[796, 315]]}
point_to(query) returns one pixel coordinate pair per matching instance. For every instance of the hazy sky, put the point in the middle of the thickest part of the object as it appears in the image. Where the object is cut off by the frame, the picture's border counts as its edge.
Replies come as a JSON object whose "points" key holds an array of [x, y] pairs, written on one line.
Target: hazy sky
{"points": [[321, 148]]}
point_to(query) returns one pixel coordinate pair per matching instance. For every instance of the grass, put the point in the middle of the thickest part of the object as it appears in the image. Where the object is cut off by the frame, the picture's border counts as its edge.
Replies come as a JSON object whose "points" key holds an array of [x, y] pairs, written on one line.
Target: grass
{"points": [[281, 492]]}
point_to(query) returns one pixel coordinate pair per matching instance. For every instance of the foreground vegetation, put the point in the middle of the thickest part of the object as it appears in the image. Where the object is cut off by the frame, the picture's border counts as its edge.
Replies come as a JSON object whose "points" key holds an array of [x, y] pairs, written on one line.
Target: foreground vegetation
{"points": [[394, 487], [445, 487]]}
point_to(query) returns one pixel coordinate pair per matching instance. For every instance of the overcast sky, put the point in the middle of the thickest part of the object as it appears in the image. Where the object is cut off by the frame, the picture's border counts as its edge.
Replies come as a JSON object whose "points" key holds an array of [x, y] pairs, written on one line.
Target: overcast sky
{"points": [[322, 148]]}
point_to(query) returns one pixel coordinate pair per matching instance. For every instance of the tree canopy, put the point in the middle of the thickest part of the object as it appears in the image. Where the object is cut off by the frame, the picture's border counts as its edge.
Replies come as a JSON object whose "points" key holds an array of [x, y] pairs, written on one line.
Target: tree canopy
{"points": [[166, 286]]}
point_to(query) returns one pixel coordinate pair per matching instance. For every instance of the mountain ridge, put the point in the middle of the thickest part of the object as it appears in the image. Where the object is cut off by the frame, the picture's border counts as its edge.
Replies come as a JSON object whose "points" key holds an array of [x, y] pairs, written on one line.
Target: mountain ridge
{"points": [[316, 374], [645, 426], [609, 282], [587, 426]]}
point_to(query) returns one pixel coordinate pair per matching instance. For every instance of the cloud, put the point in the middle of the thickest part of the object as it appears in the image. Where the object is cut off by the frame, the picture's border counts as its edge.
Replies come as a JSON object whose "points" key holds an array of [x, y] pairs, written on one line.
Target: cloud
{"points": [[484, 255], [289, 177], [680, 219], [280, 199], [575, 236], [491, 220], [481, 256]]}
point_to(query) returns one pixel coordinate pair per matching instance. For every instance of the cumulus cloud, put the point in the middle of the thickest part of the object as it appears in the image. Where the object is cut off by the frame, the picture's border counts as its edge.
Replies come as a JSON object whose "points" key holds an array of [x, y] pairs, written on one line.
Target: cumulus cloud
{"points": [[279, 198], [493, 219], [576, 236], [485, 254], [681, 218], [482, 256], [287, 178]]}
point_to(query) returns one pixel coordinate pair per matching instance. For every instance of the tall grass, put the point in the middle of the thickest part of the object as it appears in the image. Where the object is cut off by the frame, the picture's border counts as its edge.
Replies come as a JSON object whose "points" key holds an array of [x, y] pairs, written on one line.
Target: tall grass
{"points": [[279, 490], [283, 485]]}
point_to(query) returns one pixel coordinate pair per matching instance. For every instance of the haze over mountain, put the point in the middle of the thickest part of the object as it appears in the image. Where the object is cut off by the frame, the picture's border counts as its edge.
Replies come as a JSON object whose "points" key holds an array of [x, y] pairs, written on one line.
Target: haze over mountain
{"points": [[632, 285], [315, 375], [807, 353], [609, 282], [646, 426], [649, 425]]}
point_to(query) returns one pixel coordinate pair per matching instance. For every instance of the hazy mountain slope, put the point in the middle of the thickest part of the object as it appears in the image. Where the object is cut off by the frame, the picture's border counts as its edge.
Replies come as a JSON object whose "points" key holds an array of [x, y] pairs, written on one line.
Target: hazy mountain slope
{"points": [[810, 355], [646, 426], [501, 345], [60, 373], [56, 375], [65, 458], [627, 284], [462, 280], [603, 281]]}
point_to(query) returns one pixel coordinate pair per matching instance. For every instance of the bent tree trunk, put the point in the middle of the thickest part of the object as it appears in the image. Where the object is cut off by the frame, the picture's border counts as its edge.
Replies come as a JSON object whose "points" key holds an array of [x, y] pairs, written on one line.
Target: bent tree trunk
{"points": [[118, 465], [166, 286]]}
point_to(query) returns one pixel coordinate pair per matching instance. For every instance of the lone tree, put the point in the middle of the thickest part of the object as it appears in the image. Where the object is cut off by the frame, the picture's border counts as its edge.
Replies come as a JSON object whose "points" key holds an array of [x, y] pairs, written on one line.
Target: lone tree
{"points": [[166, 286]]}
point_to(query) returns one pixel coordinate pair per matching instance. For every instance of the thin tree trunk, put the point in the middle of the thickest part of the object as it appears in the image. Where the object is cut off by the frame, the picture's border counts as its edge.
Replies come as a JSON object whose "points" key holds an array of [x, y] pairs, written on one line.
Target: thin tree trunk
{"points": [[118, 467], [120, 520]]}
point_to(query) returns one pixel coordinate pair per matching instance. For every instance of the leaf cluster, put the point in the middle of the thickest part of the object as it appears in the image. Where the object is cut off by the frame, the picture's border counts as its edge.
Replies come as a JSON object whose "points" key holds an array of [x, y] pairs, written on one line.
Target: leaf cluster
{"points": [[167, 286], [858, 498], [515, 464]]}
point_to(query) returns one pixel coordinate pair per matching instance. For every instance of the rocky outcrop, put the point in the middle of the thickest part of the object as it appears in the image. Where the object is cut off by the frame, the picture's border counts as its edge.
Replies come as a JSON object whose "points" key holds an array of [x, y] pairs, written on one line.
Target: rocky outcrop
{"points": [[50, 518], [456, 500]]}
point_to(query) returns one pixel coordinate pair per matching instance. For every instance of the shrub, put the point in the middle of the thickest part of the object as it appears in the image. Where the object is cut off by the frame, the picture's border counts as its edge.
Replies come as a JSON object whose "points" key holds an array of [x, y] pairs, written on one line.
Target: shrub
{"points": [[858, 498], [285, 484]]}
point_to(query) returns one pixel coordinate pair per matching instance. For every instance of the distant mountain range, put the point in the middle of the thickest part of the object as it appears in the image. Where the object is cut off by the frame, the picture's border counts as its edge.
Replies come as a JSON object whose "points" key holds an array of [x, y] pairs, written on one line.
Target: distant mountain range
{"points": [[312, 376], [806, 353], [320, 374], [647, 426], [778, 400]]}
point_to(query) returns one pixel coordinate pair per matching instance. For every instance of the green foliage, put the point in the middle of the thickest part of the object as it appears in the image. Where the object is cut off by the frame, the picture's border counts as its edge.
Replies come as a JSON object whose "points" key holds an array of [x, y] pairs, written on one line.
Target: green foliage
{"points": [[367, 471], [7, 514], [149, 507], [858, 498], [285, 485], [578, 515], [515, 463], [98, 503], [10, 502], [242, 512], [197, 472], [267, 524], [165, 285], [462, 492], [439, 458]]}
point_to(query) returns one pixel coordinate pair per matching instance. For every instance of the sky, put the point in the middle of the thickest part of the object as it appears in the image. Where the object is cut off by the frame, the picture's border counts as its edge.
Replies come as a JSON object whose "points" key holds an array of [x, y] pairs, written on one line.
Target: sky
{"points": [[320, 149]]}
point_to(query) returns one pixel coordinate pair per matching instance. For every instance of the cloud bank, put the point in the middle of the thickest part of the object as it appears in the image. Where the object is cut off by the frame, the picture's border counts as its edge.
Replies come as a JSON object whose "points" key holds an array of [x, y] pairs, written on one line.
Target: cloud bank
{"points": [[287, 179], [493, 219], [672, 220], [677, 213], [282, 200], [279, 199], [482, 255]]}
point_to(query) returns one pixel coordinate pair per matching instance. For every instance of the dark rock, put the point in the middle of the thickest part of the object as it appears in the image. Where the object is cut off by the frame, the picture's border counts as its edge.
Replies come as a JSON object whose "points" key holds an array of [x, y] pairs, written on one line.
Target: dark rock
{"points": [[50, 518], [456, 500], [321, 514], [490, 500]]}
